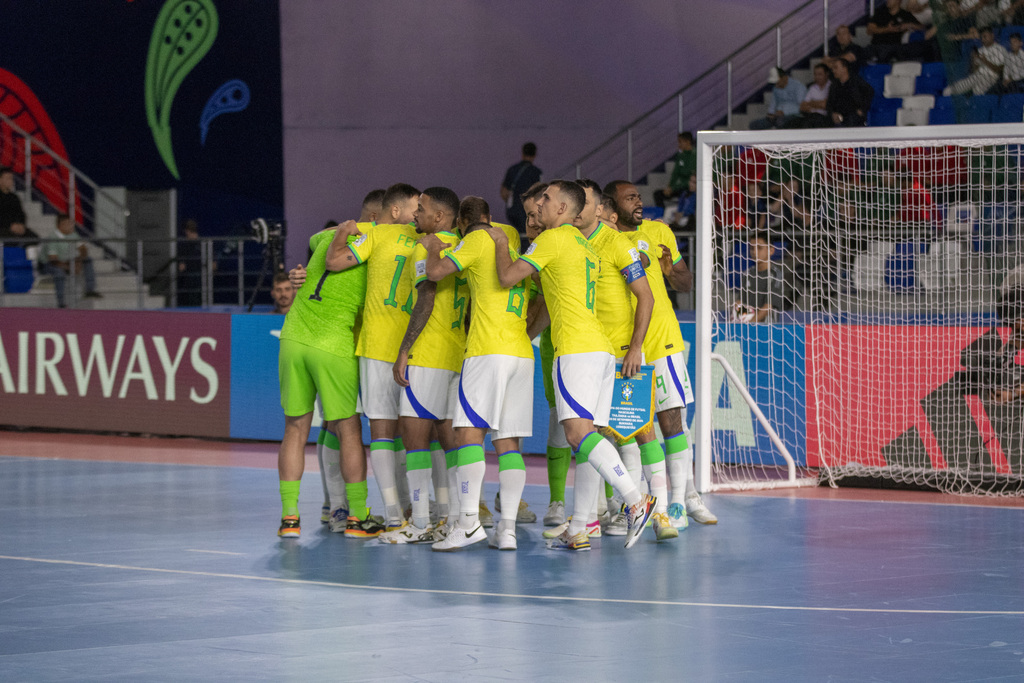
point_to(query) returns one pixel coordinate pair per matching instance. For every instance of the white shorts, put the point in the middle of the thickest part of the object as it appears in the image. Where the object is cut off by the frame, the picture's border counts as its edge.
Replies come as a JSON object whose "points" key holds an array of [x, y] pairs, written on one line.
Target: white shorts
{"points": [[496, 393], [583, 386], [556, 434], [432, 393], [380, 393], [671, 383]]}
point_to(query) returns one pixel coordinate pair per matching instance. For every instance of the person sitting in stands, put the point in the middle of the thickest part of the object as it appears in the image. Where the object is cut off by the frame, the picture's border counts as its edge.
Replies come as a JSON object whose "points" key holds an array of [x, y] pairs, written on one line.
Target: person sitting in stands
{"points": [[849, 98], [843, 47], [59, 252], [685, 164], [1013, 68], [784, 101], [986, 66], [887, 27], [813, 112]]}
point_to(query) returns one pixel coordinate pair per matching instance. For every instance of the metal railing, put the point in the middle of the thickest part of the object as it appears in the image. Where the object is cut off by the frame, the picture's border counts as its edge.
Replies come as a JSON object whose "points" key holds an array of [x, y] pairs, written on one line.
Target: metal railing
{"points": [[208, 272], [49, 178], [646, 142]]}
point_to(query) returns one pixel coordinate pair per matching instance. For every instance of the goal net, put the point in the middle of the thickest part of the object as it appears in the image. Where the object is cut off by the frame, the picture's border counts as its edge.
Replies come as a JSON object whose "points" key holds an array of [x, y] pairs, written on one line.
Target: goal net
{"points": [[861, 308]]}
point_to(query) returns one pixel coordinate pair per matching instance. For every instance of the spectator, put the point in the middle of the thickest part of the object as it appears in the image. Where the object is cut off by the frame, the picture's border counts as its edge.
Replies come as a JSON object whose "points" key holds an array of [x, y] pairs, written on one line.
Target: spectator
{"points": [[843, 47], [921, 9], [518, 179], [1013, 68], [813, 112], [282, 292], [12, 216], [686, 209], [784, 101], [60, 252], [887, 27], [765, 290], [1011, 11], [849, 97], [190, 267], [986, 65], [685, 165]]}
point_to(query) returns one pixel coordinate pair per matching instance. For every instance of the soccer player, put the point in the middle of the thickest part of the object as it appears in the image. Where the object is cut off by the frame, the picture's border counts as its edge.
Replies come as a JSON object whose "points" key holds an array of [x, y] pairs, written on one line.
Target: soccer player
{"points": [[428, 363], [584, 372], [495, 387], [387, 251], [318, 357], [474, 210], [664, 347]]}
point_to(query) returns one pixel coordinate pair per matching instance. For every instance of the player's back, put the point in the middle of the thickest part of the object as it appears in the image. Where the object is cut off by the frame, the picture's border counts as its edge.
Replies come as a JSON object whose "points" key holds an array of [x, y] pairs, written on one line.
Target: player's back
{"points": [[327, 305], [615, 305], [387, 250], [515, 242], [569, 267], [442, 343], [498, 325], [663, 335]]}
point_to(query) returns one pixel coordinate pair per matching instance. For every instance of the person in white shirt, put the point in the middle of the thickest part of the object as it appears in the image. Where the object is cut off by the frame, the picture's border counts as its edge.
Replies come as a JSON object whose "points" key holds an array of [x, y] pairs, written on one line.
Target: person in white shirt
{"points": [[1013, 68], [986, 66], [812, 110]]}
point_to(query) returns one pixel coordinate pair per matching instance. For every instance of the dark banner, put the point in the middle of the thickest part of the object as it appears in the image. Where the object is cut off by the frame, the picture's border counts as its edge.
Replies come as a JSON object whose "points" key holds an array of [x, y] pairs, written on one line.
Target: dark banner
{"points": [[148, 372]]}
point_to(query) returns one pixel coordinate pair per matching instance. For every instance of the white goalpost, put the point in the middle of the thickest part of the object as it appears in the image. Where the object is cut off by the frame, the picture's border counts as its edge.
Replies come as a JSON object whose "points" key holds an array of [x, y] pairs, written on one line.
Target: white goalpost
{"points": [[860, 308]]}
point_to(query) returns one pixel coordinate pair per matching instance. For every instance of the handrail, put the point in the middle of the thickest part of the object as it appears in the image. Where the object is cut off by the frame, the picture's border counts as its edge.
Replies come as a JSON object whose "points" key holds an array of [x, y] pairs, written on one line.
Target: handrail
{"points": [[842, 7]]}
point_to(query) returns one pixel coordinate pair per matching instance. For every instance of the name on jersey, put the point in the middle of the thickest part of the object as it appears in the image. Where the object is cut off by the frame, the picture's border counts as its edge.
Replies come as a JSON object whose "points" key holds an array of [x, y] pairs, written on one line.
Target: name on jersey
{"points": [[407, 241]]}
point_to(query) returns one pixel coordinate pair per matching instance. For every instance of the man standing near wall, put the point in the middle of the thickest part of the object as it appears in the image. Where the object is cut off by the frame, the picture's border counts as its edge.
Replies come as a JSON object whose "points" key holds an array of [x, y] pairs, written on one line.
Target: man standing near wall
{"points": [[518, 179]]}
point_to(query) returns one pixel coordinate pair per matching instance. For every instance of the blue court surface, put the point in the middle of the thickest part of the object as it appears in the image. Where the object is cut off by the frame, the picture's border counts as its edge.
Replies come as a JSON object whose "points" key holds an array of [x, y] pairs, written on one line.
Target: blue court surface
{"points": [[135, 571]]}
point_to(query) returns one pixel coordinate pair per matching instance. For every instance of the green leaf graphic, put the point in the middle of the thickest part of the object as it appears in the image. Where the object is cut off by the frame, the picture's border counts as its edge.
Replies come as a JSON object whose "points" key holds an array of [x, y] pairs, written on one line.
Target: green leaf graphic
{"points": [[183, 34]]}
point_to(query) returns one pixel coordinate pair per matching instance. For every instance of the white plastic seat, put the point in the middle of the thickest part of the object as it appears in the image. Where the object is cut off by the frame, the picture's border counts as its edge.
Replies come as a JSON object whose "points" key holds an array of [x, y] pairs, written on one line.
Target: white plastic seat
{"points": [[912, 69], [869, 267], [940, 268], [919, 102], [899, 85], [960, 219], [912, 117]]}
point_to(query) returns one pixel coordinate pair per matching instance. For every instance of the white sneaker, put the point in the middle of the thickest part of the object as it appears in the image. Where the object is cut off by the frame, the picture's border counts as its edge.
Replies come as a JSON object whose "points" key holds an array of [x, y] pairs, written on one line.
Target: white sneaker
{"points": [[663, 529], [637, 517], [555, 515], [677, 516], [338, 521], [524, 515], [409, 533], [556, 531], [566, 542], [696, 508], [442, 529], [504, 537], [458, 538], [616, 526]]}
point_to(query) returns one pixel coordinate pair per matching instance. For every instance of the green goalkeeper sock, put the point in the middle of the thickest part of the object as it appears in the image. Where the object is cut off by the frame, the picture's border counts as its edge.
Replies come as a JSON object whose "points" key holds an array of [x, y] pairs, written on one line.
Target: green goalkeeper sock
{"points": [[289, 498], [558, 470], [356, 494]]}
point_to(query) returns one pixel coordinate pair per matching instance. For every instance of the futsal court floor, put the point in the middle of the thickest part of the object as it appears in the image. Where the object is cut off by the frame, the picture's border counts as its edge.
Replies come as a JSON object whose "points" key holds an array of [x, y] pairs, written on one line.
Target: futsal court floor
{"points": [[132, 559]]}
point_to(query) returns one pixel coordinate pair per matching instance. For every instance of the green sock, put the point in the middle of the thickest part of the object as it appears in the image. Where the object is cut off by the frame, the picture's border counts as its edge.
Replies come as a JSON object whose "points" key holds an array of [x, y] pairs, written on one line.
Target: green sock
{"points": [[608, 490], [356, 494], [289, 498], [451, 458], [558, 470], [651, 453]]}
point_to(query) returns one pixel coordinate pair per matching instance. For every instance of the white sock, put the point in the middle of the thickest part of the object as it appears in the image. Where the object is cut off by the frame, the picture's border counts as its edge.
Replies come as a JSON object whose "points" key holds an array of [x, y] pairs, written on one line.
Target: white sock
{"points": [[605, 460], [382, 459], [585, 491], [471, 482], [439, 477], [453, 487], [510, 489], [630, 454], [401, 481], [332, 474], [655, 474], [419, 487]]}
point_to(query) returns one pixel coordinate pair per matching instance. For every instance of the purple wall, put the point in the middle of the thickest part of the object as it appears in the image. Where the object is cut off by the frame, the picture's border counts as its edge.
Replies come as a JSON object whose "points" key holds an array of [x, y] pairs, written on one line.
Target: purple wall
{"points": [[446, 92]]}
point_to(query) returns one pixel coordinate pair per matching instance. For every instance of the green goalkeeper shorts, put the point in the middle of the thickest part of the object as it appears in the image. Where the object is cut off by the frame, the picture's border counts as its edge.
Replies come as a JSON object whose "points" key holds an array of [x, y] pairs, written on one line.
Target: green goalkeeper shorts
{"points": [[305, 371]]}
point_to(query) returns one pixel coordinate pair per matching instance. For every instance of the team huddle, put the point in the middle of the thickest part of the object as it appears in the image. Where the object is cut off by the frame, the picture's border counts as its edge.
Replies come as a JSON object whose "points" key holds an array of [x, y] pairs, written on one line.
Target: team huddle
{"points": [[421, 316]]}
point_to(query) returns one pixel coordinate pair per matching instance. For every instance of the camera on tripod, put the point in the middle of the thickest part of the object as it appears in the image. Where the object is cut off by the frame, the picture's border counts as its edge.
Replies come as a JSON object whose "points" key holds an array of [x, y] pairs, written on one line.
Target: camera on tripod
{"points": [[266, 231], [270, 234]]}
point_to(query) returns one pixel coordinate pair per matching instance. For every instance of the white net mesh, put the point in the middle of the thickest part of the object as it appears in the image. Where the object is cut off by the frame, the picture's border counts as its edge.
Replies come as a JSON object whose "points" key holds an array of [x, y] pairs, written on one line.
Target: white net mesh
{"points": [[866, 295]]}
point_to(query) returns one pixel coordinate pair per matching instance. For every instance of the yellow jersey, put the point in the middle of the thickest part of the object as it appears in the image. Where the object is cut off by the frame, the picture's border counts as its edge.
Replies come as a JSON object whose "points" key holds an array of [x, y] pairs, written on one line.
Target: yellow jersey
{"points": [[620, 265], [660, 233], [514, 241], [569, 267], [387, 251], [498, 327], [442, 342], [663, 335]]}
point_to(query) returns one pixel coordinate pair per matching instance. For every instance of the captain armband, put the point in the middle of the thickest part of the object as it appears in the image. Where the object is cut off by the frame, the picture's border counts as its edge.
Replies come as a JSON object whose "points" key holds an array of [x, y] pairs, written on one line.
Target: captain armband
{"points": [[634, 271]]}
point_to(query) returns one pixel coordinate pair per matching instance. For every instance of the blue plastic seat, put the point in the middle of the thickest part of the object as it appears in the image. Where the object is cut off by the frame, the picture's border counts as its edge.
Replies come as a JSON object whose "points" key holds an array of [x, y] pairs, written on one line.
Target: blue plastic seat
{"points": [[944, 102], [984, 102], [933, 69], [1012, 100], [901, 266], [1010, 114], [941, 117], [18, 276], [929, 85], [881, 117], [977, 115], [876, 72]]}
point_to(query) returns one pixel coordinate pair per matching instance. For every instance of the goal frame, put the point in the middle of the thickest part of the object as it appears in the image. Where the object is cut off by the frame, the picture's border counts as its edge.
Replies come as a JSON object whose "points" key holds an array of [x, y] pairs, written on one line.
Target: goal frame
{"points": [[706, 142]]}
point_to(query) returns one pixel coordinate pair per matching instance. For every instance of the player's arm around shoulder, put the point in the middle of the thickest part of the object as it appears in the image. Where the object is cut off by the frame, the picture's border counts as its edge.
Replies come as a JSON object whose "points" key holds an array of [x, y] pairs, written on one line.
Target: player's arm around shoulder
{"points": [[510, 272], [340, 255], [440, 257]]}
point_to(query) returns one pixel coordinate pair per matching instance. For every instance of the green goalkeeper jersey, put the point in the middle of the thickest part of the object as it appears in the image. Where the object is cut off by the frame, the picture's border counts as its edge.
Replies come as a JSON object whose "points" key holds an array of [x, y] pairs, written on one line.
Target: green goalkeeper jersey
{"points": [[327, 306]]}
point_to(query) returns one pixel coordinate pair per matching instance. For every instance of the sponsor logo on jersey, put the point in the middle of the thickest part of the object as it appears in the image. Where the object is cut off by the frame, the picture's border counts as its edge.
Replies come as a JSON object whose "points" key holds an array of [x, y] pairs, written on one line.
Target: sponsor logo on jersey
{"points": [[532, 248], [421, 268], [359, 241]]}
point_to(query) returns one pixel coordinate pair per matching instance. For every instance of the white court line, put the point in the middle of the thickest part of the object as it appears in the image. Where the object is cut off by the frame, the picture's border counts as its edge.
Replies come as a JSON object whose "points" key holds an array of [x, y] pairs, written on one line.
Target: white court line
{"points": [[213, 552], [550, 598]]}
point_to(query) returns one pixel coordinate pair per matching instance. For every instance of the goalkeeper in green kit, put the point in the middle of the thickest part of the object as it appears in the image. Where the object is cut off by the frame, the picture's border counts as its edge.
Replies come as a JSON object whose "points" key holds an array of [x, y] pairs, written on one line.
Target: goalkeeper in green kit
{"points": [[318, 357]]}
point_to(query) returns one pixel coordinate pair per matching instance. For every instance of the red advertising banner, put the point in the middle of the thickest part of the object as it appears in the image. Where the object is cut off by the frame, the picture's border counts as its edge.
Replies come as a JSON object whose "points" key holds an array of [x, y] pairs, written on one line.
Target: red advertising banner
{"points": [[876, 388], [133, 371]]}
